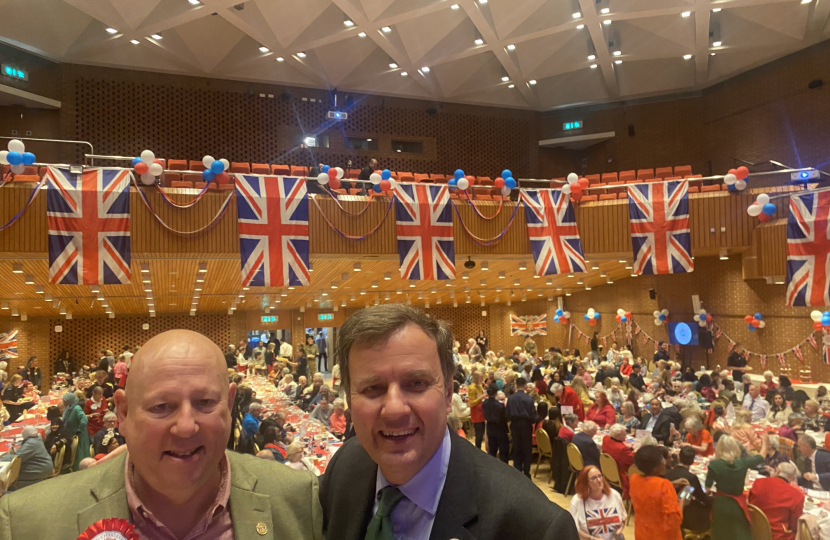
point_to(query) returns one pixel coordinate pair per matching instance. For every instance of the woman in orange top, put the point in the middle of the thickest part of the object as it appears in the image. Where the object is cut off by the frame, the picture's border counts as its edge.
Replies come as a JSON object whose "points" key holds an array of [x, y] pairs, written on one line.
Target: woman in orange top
{"points": [[658, 511], [698, 438]]}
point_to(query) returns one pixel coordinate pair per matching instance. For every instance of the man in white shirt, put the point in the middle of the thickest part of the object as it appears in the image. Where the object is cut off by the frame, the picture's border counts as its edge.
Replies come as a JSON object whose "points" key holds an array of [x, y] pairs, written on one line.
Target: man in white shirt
{"points": [[614, 353], [286, 350], [128, 356], [755, 403]]}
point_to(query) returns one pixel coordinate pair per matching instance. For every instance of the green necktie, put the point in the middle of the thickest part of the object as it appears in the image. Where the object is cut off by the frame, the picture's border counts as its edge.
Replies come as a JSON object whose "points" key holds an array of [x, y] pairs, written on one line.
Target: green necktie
{"points": [[380, 528]]}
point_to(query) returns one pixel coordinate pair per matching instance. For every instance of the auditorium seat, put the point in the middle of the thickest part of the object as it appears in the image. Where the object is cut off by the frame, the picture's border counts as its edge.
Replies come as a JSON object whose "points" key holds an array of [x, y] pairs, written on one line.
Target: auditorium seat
{"points": [[354, 191], [352, 174], [42, 171], [168, 178], [190, 178], [226, 187], [710, 188], [195, 165], [682, 170], [299, 171], [598, 189], [438, 178], [418, 177], [339, 191], [482, 197], [280, 170], [260, 168], [695, 185], [628, 176], [26, 178], [589, 198], [623, 195], [592, 179], [181, 184], [201, 185], [608, 197], [405, 177], [177, 165], [484, 181], [663, 172], [607, 178], [242, 168], [645, 174], [619, 187]]}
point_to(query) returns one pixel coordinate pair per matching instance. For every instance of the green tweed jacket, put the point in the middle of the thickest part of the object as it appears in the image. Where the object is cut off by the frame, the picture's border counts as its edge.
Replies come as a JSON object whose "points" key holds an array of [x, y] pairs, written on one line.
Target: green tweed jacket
{"points": [[268, 501]]}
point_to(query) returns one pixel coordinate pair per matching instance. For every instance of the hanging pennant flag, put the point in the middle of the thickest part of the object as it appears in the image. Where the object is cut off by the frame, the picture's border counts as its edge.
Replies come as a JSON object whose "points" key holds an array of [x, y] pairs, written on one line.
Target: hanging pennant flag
{"points": [[637, 330], [529, 326], [88, 218], [659, 217], [645, 338], [718, 333], [273, 230], [554, 238], [629, 339], [763, 359], [8, 345], [808, 250], [798, 354], [731, 346], [782, 360], [426, 247], [605, 342], [812, 341]]}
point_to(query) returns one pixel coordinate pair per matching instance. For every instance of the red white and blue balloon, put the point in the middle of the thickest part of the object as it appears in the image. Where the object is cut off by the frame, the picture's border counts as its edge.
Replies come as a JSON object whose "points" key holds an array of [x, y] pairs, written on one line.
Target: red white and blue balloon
{"points": [[17, 156]]}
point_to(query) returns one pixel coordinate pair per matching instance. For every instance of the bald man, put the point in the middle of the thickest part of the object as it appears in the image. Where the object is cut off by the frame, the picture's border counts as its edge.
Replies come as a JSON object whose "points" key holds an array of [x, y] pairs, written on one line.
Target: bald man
{"points": [[176, 480]]}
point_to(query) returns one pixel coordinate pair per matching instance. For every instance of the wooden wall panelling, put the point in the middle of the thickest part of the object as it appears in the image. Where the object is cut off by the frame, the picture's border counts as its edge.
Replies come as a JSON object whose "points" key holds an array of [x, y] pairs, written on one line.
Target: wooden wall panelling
{"points": [[31, 341], [514, 242], [772, 246], [325, 240], [604, 228], [28, 234]]}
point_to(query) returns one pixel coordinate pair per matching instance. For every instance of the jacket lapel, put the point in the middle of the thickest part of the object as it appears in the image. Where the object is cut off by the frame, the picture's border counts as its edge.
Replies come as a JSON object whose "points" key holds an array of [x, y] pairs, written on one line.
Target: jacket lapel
{"points": [[457, 509], [250, 511], [109, 494]]}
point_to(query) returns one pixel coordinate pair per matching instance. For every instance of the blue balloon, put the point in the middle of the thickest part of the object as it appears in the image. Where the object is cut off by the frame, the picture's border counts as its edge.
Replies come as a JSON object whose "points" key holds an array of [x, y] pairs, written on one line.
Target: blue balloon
{"points": [[28, 158], [459, 174], [825, 321], [217, 167], [385, 175], [585, 316], [623, 319], [14, 158], [325, 169], [376, 188], [759, 316], [596, 315], [768, 209], [559, 312], [452, 183], [751, 328], [510, 182], [208, 174], [506, 174], [136, 161], [826, 314], [556, 318], [661, 317], [731, 187]]}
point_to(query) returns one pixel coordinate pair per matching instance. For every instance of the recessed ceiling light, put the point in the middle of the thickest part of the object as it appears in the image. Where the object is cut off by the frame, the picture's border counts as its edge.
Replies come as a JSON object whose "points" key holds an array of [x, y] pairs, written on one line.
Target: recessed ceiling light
{"points": [[112, 31], [194, 2], [716, 10], [134, 41], [263, 49], [806, 1], [362, 34], [531, 82], [593, 66], [711, 54], [479, 41], [580, 26], [687, 57], [577, 15], [386, 29], [404, 73], [604, 11], [511, 47], [606, 22], [280, 59], [425, 69], [393, 65], [156, 36], [348, 23], [300, 54], [454, 6], [617, 53], [686, 14], [511, 86], [482, 2], [505, 79], [592, 57], [717, 43]]}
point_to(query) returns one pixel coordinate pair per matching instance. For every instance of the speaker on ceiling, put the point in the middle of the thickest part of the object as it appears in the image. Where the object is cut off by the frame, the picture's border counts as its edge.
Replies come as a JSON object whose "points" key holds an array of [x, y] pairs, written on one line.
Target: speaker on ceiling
{"points": [[630, 130], [652, 294], [432, 111], [812, 85]]}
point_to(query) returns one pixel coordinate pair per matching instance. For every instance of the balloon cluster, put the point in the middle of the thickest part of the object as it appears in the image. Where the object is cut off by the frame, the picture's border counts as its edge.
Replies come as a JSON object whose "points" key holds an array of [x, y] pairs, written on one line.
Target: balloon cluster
{"points": [[215, 169], [331, 176], [623, 315], [592, 317], [661, 317], [757, 321], [703, 318], [563, 317], [383, 182], [148, 167], [17, 156], [761, 208], [575, 186], [735, 179], [820, 320]]}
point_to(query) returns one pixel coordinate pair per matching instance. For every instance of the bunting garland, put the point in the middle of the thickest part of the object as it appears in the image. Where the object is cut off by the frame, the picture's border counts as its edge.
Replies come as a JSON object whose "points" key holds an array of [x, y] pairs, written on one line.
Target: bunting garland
{"points": [[763, 359], [798, 354], [629, 339], [731, 345], [812, 341], [782, 360]]}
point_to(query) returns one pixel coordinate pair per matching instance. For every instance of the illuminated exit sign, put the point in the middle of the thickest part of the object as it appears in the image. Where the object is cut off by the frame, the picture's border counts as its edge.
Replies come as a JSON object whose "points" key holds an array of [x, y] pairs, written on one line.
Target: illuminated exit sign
{"points": [[15, 73], [325, 316], [270, 318], [569, 126]]}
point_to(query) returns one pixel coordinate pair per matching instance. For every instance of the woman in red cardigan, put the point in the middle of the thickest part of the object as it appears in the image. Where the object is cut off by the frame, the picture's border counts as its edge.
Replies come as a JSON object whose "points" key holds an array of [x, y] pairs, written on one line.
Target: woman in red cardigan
{"points": [[601, 411]]}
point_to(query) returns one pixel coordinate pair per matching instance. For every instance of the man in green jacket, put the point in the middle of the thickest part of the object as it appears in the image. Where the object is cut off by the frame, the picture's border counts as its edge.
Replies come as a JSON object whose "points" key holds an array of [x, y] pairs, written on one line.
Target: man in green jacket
{"points": [[176, 480]]}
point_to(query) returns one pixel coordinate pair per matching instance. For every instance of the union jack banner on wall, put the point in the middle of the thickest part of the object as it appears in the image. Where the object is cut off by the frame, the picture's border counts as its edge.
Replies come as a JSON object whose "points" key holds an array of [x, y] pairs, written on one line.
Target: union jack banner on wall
{"points": [[273, 230], [659, 214], [8, 345], [88, 217], [808, 248], [528, 326], [554, 238], [426, 247]]}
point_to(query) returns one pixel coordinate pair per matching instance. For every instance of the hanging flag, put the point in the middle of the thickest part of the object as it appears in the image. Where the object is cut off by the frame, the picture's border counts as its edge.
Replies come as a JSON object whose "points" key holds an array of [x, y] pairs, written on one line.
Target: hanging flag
{"points": [[273, 230], [763, 358], [645, 338], [638, 330], [629, 339], [554, 238], [718, 333], [528, 326], [798, 354], [812, 341], [782, 360], [808, 250], [659, 214], [8, 345], [426, 247], [605, 342], [88, 218], [731, 346]]}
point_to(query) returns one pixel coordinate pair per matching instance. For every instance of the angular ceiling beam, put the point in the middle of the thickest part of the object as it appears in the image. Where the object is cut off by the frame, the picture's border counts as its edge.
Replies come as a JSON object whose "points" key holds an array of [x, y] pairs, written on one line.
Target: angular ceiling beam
{"points": [[702, 18], [593, 24]]}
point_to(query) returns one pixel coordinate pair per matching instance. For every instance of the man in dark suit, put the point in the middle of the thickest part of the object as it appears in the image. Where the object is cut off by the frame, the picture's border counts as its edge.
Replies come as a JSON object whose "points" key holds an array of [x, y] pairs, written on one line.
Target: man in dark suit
{"points": [[816, 473], [636, 378], [584, 440], [522, 415], [405, 475], [658, 420], [662, 353], [495, 415], [696, 515]]}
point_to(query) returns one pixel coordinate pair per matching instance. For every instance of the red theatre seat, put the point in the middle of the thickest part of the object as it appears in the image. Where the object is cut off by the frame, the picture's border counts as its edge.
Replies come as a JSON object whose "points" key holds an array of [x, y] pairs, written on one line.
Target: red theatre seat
{"points": [[201, 185], [608, 197], [710, 188], [299, 171], [628, 176], [195, 165], [607, 178], [623, 195], [682, 170], [242, 168], [260, 168], [618, 187], [181, 184], [592, 179], [663, 172], [177, 165], [405, 177], [438, 178], [170, 177], [484, 181], [598, 189], [280, 170], [589, 198], [695, 185], [421, 178], [352, 174], [645, 174]]}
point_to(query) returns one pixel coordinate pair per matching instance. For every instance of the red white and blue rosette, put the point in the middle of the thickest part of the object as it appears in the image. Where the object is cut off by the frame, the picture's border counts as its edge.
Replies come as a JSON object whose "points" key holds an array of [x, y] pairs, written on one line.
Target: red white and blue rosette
{"points": [[110, 529]]}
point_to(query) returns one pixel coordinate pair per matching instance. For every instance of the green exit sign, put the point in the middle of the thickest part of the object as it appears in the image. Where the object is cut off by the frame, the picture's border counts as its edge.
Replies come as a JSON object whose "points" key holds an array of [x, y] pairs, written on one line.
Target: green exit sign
{"points": [[325, 316], [270, 318], [576, 124], [15, 73]]}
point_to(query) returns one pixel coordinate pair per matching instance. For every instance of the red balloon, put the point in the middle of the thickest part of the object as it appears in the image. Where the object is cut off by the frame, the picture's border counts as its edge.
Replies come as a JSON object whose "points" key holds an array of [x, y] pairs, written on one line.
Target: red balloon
{"points": [[141, 167], [708, 318], [741, 172], [618, 318], [756, 323], [628, 315], [817, 325], [763, 217], [583, 182], [385, 185], [332, 173], [563, 320], [334, 183], [592, 322], [576, 196], [471, 179], [499, 182], [222, 178], [576, 189], [733, 171], [748, 318]]}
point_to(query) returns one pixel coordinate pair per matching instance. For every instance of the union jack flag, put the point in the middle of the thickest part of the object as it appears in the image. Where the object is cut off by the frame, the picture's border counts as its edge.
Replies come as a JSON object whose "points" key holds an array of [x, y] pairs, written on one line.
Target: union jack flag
{"points": [[763, 359], [528, 326], [273, 230], [8, 345], [602, 521], [808, 250], [88, 217], [551, 225], [659, 214], [424, 226], [811, 339]]}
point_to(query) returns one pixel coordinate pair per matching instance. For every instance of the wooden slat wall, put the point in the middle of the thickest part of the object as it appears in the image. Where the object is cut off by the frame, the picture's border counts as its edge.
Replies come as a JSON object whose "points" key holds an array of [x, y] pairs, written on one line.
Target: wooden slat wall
{"points": [[28, 234], [325, 241], [772, 248]]}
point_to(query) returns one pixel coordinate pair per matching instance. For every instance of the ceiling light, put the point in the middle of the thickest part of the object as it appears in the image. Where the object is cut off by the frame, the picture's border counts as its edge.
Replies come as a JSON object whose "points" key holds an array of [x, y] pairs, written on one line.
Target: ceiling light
{"points": [[587, 288], [425, 69], [280, 59], [404, 73], [686, 14], [577, 15], [348, 23], [454, 6], [202, 267], [687, 57], [386, 29], [263, 49], [806, 1], [580, 26], [593, 66], [711, 54], [531, 82], [511, 86], [362, 34], [505, 79], [592, 57], [522, 266], [465, 275], [606, 22], [112, 31], [29, 279], [194, 2], [145, 268], [724, 256], [482, 2], [411, 284], [17, 268], [333, 284], [501, 275], [393, 65], [479, 41], [156, 36], [618, 62], [356, 267], [39, 289], [511, 47], [716, 10], [604, 11], [134, 41], [717, 43], [617, 53], [301, 54]]}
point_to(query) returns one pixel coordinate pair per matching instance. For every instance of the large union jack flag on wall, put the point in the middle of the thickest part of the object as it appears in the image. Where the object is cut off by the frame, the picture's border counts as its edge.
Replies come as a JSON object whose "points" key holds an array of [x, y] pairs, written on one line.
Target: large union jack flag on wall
{"points": [[808, 250], [424, 226], [659, 214], [8, 345], [554, 238], [88, 216], [528, 326], [273, 230]]}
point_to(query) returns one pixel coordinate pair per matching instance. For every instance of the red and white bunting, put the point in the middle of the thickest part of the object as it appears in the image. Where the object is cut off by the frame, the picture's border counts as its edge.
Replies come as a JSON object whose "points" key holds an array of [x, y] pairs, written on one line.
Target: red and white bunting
{"points": [[645, 338], [782, 359], [731, 345], [605, 342], [763, 358], [718, 333], [812, 341], [798, 354]]}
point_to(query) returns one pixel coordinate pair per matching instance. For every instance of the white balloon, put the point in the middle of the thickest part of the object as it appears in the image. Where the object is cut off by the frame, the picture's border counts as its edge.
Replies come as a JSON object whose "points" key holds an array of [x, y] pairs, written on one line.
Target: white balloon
{"points": [[18, 169], [148, 157], [762, 324], [620, 312], [656, 314], [696, 318], [323, 178], [730, 179], [740, 185], [665, 312], [658, 322], [393, 183], [573, 178], [702, 324], [374, 178], [567, 314], [340, 172], [148, 179], [762, 199], [3, 160], [16, 145], [815, 315], [753, 209], [702, 312], [207, 161], [566, 189], [463, 184], [591, 311], [505, 191], [156, 169], [226, 163]]}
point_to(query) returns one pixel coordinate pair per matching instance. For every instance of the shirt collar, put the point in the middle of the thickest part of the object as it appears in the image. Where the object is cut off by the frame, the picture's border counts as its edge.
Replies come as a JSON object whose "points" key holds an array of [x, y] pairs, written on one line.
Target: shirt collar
{"points": [[424, 489]]}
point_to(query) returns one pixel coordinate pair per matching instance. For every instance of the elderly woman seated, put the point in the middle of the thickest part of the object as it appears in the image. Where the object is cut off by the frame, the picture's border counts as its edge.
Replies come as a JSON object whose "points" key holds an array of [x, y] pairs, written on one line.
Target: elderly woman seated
{"points": [[698, 437], [795, 425], [337, 420], [295, 457], [35, 461], [744, 433]]}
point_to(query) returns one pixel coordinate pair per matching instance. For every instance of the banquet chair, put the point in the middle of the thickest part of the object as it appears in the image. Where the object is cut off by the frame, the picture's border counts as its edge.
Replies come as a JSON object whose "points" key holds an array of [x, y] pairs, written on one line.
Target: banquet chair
{"points": [[759, 523], [545, 451], [632, 470], [576, 464], [691, 535], [611, 471], [58, 461], [804, 531], [72, 453], [11, 477]]}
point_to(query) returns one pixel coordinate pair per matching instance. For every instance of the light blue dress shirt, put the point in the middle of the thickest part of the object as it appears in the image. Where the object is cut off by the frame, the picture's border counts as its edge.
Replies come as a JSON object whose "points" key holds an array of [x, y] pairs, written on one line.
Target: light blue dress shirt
{"points": [[413, 517]]}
